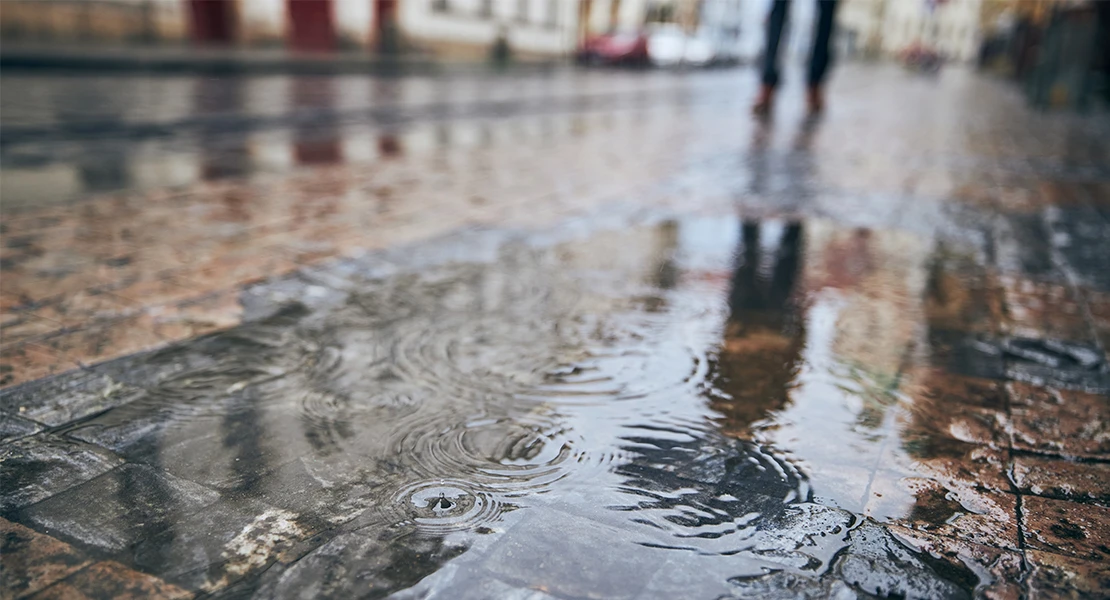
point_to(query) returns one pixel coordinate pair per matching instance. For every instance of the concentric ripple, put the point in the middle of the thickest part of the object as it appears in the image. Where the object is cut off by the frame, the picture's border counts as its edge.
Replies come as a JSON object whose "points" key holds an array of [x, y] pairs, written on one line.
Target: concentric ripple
{"points": [[509, 455], [443, 506]]}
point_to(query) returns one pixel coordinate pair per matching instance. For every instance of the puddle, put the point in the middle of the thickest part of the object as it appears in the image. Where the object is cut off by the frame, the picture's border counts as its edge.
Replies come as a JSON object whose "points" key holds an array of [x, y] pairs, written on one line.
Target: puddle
{"points": [[705, 395]]}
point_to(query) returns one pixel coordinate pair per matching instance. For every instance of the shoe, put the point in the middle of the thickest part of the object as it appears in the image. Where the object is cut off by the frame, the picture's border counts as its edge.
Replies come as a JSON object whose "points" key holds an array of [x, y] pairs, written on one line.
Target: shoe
{"points": [[815, 100], [764, 101]]}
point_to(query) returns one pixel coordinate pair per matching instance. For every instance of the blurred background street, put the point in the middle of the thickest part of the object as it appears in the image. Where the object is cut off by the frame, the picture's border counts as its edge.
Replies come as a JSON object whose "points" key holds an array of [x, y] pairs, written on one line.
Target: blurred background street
{"points": [[518, 299]]}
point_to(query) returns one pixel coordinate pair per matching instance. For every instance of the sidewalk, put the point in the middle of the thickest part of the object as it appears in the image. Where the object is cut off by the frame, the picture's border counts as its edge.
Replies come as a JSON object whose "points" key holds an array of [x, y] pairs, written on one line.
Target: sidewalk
{"points": [[241, 61]]}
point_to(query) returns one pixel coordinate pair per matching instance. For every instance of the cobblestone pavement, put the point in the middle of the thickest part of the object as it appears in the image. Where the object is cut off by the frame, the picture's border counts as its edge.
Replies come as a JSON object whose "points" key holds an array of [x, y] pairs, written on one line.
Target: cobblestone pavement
{"points": [[570, 336]]}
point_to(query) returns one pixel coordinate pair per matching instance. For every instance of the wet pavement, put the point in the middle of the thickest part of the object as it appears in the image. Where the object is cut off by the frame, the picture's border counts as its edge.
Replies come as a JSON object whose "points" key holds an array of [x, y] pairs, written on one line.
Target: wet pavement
{"points": [[570, 337]]}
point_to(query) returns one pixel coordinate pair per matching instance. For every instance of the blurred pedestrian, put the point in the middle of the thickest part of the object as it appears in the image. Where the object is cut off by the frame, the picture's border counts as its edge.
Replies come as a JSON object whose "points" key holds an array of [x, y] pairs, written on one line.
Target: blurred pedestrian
{"points": [[818, 62]]}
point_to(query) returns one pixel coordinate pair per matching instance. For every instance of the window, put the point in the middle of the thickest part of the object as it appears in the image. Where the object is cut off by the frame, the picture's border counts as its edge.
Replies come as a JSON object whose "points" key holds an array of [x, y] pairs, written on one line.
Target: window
{"points": [[485, 9], [522, 11], [553, 14]]}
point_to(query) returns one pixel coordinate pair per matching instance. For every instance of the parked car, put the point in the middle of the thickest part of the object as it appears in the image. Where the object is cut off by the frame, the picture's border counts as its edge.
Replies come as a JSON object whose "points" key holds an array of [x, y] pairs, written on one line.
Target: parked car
{"points": [[615, 48]]}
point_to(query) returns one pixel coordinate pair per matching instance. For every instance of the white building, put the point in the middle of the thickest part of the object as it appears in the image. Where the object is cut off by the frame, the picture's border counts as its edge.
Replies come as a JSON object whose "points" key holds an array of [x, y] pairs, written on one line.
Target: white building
{"points": [[951, 27], [469, 28], [859, 26]]}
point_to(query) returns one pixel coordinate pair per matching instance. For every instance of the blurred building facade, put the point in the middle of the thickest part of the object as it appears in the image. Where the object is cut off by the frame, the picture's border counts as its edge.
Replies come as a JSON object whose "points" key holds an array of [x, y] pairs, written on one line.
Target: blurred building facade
{"points": [[455, 27], [888, 27]]}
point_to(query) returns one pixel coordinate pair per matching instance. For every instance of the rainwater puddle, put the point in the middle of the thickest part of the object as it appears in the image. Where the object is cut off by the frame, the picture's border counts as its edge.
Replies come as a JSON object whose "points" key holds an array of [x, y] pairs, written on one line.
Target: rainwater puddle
{"points": [[691, 408]]}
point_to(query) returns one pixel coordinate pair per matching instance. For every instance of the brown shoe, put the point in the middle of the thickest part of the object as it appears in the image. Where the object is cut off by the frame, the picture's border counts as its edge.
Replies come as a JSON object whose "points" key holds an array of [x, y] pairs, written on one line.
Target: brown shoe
{"points": [[815, 100], [764, 101]]}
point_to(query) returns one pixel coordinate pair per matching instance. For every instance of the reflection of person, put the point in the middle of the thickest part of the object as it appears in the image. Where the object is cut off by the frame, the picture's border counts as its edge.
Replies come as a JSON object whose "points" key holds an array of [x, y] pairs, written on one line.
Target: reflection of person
{"points": [[818, 62], [764, 335]]}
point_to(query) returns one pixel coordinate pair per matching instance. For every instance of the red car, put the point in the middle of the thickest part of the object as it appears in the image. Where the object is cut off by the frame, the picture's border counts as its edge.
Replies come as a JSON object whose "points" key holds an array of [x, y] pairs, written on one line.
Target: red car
{"points": [[615, 48]]}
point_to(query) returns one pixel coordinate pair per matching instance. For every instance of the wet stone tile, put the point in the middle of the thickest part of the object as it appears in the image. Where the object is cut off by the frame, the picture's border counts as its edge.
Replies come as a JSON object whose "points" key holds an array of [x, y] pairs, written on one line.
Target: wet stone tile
{"points": [[23, 326], [13, 427], [65, 398], [41, 466], [214, 547], [106, 339], [1087, 380], [1062, 479], [296, 487], [210, 435], [1063, 422], [998, 571], [1043, 310], [874, 563], [109, 579], [32, 561], [918, 453], [567, 556], [353, 564], [961, 512], [85, 307], [28, 361], [1069, 528], [940, 408], [945, 391], [148, 369], [120, 508], [1056, 576], [966, 354]]}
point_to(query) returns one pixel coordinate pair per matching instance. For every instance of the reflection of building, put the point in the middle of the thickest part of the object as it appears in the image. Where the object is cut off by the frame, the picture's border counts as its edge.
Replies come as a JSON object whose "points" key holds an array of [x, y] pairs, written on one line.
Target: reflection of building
{"points": [[466, 27]]}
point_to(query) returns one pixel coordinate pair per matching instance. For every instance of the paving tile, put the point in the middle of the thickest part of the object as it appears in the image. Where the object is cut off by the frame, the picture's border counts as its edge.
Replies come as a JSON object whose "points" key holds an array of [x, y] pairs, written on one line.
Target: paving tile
{"points": [[120, 508], [1043, 310], [23, 326], [964, 353], [33, 561], [104, 340], [539, 553], [85, 307], [221, 543], [940, 406], [1063, 422], [13, 427], [963, 301], [1057, 576], [28, 289], [961, 512], [44, 465], [1074, 529], [156, 290], [108, 579], [1061, 478], [999, 571], [916, 453], [27, 361], [198, 316], [353, 564], [65, 398]]}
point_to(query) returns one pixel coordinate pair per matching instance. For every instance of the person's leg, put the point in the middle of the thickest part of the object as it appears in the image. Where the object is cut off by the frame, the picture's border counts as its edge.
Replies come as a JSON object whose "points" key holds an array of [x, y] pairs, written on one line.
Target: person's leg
{"points": [[821, 57], [776, 21], [775, 24]]}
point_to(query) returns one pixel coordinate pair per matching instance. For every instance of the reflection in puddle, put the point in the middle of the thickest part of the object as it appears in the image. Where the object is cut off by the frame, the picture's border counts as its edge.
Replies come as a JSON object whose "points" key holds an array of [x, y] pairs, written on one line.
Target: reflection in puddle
{"points": [[700, 391]]}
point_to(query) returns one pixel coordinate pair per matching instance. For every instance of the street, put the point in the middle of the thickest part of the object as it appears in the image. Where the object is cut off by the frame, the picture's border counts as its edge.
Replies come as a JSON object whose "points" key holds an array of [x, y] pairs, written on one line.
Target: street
{"points": [[556, 334]]}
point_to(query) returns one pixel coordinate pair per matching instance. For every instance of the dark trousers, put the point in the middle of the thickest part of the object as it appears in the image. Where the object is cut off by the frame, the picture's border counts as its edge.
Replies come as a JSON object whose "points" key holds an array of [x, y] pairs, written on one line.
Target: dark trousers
{"points": [[822, 55]]}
